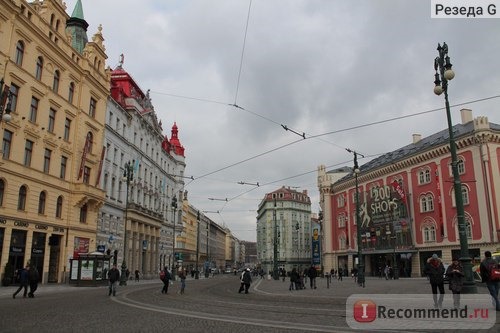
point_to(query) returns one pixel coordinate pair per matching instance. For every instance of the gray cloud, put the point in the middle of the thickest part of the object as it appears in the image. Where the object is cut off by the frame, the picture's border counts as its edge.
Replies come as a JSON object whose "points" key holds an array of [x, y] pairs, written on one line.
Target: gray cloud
{"points": [[316, 66]]}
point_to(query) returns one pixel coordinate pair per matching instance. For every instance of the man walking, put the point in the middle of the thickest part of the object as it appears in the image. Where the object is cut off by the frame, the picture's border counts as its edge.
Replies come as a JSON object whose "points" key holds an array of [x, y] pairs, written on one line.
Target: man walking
{"points": [[33, 278], [435, 271], [165, 278], [312, 276], [493, 285], [114, 277], [23, 281], [247, 279]]}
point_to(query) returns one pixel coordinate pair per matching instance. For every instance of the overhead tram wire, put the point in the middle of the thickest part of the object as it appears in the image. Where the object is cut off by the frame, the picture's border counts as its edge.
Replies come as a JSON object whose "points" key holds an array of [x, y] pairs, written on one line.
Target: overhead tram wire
{"points": [[242, 54], [322, 134]]}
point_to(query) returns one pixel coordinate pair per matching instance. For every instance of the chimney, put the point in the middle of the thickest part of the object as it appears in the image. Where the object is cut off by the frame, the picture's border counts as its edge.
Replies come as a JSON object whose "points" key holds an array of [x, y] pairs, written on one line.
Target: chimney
{"points": [[466, 115], [417, 138]]}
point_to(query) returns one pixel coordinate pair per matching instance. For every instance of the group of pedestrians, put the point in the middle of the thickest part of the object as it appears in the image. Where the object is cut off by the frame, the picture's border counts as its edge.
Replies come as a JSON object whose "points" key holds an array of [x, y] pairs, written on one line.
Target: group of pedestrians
{"points": [[435, 271], [28, 276], [298, 279]]}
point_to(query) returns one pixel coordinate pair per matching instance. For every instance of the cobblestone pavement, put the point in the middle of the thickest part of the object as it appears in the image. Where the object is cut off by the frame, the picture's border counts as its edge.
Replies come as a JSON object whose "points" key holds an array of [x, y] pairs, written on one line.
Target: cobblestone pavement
{"points": [[209, 305]]}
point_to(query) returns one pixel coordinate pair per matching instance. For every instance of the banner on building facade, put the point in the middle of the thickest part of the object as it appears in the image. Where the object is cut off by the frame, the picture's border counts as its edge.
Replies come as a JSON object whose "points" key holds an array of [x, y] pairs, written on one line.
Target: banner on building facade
{"points": [[384, 218]]}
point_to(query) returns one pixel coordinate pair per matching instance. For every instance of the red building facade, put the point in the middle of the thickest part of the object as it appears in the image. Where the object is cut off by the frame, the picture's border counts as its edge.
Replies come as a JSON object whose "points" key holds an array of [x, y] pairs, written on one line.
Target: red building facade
{"points": [[407, 202]]}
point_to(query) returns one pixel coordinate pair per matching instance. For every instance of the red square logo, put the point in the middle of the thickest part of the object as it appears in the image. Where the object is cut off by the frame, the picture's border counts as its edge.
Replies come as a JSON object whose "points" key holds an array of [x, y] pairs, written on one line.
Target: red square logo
{"points": [[364, 311]]}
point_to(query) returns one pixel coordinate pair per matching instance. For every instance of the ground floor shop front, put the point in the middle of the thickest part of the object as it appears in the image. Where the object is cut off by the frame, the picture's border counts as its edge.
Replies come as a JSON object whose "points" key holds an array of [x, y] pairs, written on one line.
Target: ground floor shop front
{"points": [[401, 263]]}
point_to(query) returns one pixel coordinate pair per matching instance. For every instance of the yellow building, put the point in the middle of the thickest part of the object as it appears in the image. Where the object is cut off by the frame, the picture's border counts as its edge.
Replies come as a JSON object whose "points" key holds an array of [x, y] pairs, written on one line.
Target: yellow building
{"points": [[52, 147]]}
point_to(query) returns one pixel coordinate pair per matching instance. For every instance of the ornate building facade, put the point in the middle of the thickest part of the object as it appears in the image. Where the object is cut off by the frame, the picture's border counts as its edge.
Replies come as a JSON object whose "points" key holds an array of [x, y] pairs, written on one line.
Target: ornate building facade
{"points": [[51, 150], [407, 205], [143, 176]]}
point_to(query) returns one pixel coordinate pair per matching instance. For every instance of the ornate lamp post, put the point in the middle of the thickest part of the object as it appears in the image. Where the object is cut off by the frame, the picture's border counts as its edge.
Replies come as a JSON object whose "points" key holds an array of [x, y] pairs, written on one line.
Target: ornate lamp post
{"points": [[196, 272], [361, 266], [444, 73], [299, 257], [275, 244], [128, 176], [174, 208]]}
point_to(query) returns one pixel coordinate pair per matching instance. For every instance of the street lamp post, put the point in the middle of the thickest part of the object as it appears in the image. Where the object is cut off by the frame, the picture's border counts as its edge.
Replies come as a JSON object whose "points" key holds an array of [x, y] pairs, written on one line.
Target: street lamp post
{"points": [[128, 176], [361, 266], [444, 73], [275, 244], [207, 264], [196, 272], [299, 257], [174, 207]]}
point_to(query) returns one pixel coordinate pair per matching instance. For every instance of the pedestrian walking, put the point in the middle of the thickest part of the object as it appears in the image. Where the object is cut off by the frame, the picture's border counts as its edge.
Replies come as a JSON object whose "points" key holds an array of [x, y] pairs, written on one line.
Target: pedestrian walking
{"points": [[242, 284], [294, 277], [137, 275], [455, 273], [339, 272], [33, 278], [312, 276], [182, 276], [387, 270], [114, 277], [486, 267], [435, 271], [247, 279], [23, 281], [165, 278]]}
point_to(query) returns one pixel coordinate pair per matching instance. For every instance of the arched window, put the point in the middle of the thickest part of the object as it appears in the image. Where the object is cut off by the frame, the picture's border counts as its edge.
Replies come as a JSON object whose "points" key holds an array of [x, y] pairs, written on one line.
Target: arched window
{"points": [[429, 232], [465, 196], [59, 206], [57, 78], [21, 201], [41, 203], [426, 203], [19, 53], [424, 176], [2, 191], [39, 68], [71, 92]]}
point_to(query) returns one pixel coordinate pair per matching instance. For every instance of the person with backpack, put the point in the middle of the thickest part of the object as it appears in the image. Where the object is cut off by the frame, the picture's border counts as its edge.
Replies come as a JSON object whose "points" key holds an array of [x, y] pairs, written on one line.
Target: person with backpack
{"points": [[487, 276], [165, 278]]}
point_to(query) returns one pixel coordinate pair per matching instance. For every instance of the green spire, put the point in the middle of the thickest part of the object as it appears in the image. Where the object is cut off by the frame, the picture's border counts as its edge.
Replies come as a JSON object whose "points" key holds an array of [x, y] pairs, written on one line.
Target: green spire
{"points": [[77, 27], [78, 11]]}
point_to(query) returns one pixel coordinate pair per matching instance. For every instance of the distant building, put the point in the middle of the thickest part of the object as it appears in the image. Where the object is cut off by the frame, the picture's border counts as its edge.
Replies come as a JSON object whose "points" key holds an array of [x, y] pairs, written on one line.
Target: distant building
{"points": [[284, 217], [407, 202]]}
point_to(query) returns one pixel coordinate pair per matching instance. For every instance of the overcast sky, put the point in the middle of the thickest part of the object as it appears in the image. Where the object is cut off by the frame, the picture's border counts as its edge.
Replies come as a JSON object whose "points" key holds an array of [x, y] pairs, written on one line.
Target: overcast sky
{"points": [[315, 66]]}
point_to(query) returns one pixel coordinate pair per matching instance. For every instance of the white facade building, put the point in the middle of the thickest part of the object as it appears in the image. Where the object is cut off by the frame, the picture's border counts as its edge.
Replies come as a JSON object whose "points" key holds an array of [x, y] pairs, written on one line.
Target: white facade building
{"points": [[140, 225]]}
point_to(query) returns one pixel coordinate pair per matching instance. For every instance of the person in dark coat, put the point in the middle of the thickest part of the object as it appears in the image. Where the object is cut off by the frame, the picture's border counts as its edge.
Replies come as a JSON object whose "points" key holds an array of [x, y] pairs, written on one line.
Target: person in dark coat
{"points": [[33, 278], [166, 277], [312, 276], [294, 277], [247, 279], [23, 281], [455, 273], [114, 277], [435, 271], [493, 286]]}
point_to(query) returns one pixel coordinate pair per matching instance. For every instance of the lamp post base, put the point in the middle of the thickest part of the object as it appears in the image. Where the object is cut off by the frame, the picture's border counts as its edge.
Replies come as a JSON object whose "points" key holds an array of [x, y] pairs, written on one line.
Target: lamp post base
{"points": [[123, 275], [469, 286], [361, 275]]}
